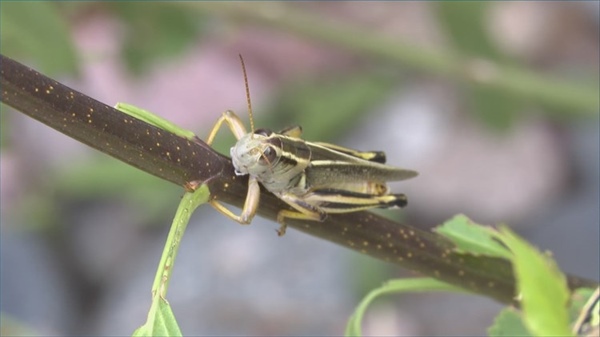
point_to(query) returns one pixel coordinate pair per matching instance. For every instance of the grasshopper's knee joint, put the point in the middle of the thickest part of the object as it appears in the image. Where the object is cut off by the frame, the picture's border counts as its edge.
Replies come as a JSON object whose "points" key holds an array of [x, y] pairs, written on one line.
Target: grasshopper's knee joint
{"points": [[245, 220], [282, 228]]}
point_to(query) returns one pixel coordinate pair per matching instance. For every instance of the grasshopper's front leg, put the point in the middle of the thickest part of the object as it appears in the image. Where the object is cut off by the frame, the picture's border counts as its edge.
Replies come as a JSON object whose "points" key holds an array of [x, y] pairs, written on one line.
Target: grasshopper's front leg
{"points": [[253, 197], [233, 122], [250, 205]]}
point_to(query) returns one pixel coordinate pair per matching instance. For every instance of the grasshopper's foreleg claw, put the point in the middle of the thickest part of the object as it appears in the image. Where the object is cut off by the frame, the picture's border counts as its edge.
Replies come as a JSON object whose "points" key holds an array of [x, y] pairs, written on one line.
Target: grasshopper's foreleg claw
{"points": [[302, 211], [281, 230]]}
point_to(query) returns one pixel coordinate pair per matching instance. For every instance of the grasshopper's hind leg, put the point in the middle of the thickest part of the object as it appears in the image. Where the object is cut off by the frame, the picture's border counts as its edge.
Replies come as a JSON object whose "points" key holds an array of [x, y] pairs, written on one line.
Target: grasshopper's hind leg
{"points": [[304, 211]]}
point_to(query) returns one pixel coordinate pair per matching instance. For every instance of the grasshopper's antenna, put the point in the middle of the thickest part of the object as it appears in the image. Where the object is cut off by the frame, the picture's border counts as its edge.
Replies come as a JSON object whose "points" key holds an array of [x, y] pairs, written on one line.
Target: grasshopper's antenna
{"points": [[247, 95]]}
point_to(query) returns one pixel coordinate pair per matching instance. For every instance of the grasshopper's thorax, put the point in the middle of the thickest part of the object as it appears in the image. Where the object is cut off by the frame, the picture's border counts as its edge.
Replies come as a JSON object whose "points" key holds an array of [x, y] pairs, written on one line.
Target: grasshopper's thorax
{"points": [[277, 161]]}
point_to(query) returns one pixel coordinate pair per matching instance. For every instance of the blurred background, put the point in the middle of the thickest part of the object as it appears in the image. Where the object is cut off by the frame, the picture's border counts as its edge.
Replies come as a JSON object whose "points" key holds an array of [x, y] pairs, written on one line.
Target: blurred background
{"points": [[494, 103]]}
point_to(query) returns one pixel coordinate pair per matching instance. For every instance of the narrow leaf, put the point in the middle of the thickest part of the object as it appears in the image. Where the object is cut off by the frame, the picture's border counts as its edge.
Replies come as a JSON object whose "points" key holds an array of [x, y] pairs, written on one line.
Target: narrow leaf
{"points": [[37, 31], [161, 321], [353, 327], [508, 324], [542, 288], [471, 238]]}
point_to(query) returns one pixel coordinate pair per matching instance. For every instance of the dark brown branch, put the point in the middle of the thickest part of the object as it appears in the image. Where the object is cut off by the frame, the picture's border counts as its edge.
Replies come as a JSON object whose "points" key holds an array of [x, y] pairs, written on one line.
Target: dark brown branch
{"points": [[180, 161]]}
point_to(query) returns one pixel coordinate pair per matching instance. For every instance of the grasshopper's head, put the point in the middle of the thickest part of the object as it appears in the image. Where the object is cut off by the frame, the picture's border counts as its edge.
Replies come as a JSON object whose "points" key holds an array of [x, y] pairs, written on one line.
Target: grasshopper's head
{"points": [[255, 153]]}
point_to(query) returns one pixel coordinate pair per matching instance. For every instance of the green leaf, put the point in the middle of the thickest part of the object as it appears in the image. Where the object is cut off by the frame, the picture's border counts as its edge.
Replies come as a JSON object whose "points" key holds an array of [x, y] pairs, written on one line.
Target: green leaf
{"points": [[36, 30], [155, 120], [472, 238], [353, 327], [508, 323], [542, 287], [161, 321]]}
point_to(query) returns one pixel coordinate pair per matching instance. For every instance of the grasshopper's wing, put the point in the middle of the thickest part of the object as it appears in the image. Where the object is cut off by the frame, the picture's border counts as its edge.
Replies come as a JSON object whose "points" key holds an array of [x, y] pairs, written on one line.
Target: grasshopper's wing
{"points": [[292, 131], [329, 166], [321, 173], [324, 150]]}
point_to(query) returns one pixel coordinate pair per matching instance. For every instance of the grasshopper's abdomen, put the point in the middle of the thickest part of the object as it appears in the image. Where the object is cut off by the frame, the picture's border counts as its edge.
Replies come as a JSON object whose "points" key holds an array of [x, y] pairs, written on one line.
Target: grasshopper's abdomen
{"points": [[366, 187]]}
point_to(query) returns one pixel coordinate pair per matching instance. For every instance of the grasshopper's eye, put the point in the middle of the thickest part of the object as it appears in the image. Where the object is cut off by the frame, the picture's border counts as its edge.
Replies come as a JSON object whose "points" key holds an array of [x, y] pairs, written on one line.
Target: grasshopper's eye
{"points": [[269, 156], [263, 132]]}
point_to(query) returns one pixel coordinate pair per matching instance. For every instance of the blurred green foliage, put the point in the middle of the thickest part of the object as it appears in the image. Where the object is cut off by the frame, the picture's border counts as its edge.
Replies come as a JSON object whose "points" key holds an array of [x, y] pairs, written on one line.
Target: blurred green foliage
{"points": [[41, 32], [325, 106], [35, 31], [155, 31], [466, 26]]}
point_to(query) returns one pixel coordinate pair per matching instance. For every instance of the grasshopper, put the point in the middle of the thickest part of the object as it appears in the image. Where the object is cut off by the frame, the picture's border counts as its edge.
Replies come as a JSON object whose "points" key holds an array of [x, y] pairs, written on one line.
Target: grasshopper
{"points": [[314, 178]]}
